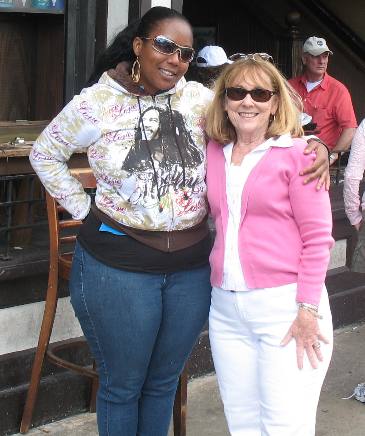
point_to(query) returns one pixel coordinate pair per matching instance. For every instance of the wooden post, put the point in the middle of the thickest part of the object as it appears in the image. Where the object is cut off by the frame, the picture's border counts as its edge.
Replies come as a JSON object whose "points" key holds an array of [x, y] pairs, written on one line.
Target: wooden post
{"points": [[293, 20]]}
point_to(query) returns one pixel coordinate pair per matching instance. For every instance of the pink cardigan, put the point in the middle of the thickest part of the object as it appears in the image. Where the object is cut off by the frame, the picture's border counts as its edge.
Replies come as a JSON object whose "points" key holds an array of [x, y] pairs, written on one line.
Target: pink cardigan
{"points": [[285, 230]]}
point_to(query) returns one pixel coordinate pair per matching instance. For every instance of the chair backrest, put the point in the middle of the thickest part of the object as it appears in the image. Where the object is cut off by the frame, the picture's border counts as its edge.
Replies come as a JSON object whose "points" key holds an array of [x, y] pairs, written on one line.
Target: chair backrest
{"points": [[63, 231]]}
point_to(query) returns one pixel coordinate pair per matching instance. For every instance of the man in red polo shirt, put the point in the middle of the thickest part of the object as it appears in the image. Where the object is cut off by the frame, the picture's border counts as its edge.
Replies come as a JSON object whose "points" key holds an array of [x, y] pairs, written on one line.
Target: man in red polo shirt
{"points": [[324, 98]]}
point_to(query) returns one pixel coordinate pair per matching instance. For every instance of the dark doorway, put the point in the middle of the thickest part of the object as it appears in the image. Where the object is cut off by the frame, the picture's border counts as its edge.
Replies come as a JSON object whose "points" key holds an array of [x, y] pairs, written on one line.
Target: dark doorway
{"points": [[240, 27]]}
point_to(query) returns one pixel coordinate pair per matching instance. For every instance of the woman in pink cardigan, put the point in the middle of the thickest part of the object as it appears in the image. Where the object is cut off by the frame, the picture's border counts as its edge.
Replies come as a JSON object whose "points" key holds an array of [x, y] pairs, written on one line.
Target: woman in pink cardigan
{"points": [[270, 322]]}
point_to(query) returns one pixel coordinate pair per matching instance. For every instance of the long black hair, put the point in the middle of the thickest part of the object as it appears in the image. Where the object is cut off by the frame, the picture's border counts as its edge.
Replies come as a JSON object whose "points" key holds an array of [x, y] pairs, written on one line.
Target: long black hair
{"points": [[121, 49]]}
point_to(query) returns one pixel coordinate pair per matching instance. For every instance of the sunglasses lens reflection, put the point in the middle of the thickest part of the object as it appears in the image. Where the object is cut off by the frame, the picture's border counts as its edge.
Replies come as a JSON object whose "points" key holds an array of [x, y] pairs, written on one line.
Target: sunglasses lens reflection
{"points": [[168, 47], [186, 54], [236, 56], [254, 56], [236, 94], [164, 45], [261, 95]]}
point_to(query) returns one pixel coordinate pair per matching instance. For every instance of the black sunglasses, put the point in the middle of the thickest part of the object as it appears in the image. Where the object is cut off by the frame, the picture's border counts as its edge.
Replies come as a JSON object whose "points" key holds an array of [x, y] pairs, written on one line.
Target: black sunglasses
{"points": [[167, 47], [258, 94], [254, 56]]}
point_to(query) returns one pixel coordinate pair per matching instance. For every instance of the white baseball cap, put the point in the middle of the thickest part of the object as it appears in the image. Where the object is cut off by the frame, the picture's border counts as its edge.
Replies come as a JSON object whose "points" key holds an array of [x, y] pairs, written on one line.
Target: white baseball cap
{"points": [[212, 56], [316, 46]]}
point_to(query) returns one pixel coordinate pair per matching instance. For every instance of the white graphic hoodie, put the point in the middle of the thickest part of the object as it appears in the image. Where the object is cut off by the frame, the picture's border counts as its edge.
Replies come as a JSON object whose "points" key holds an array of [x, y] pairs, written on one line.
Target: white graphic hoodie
{"points": [[148, 153]]}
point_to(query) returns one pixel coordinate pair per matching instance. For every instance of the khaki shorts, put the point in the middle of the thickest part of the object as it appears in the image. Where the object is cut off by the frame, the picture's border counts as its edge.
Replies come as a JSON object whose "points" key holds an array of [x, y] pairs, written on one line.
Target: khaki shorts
{"points": [[358, 258]]}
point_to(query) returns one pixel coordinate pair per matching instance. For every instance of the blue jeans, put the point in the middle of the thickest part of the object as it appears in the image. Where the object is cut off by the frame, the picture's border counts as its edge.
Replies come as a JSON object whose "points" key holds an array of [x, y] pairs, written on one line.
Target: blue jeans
{"points": [[141, 328]]}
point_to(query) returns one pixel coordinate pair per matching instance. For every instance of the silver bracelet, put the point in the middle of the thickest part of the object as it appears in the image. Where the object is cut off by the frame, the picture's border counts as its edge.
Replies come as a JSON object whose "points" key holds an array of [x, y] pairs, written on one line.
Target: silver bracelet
{"points": [[312, 308], [308, 306]]}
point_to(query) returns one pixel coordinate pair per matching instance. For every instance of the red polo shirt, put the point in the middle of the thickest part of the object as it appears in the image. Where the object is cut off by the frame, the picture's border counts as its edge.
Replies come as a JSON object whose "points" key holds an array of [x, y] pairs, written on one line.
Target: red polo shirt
{"points": [[330, 106]]}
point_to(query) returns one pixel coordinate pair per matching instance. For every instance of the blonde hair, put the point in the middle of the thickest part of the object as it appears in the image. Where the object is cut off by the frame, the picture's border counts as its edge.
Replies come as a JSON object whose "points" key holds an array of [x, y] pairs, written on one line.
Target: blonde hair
{"points": [[287, 116]]}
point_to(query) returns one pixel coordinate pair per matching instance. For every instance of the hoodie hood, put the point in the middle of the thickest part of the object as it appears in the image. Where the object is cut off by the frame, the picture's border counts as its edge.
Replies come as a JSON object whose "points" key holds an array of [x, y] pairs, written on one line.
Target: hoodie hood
{"points": [[119, 78]]}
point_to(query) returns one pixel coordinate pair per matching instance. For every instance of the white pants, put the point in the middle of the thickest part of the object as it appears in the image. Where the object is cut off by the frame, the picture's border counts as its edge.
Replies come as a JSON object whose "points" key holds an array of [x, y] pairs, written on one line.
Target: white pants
{"points": [[263, 391]]}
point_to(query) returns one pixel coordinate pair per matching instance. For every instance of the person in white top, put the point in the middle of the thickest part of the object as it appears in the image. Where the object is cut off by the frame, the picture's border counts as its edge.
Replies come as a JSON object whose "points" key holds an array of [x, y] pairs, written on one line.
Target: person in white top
{"points": [[351, 194]]}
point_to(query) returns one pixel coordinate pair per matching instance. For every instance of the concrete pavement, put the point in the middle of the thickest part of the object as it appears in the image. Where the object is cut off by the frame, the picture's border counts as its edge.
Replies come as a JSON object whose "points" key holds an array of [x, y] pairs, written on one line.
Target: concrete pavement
{"points": [[336, 417]]}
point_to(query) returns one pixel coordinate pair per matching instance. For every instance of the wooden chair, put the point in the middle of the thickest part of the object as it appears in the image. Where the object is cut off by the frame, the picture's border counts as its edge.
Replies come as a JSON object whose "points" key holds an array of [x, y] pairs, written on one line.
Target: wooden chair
{"points": [[59, 267]]}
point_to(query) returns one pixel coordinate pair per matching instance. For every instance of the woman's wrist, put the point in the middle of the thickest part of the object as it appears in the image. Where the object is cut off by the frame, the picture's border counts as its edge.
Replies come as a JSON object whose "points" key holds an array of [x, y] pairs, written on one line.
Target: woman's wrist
{"points": [[315, 138], [311, 308], [333, 157]]}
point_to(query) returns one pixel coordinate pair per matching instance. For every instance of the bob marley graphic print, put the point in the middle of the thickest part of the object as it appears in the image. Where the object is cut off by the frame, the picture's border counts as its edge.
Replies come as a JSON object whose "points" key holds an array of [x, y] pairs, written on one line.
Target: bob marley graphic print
{"points": [[162, 158]]}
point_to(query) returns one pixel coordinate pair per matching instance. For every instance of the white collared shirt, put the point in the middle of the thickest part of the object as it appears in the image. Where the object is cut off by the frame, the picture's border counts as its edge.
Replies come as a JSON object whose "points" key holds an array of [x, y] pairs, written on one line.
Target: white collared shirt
{"points": [[236, 176]]}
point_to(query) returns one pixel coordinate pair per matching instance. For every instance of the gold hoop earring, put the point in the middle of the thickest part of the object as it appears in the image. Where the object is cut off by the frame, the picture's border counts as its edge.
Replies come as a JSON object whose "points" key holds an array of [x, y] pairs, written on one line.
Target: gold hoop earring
{"points": [[136, 71]]}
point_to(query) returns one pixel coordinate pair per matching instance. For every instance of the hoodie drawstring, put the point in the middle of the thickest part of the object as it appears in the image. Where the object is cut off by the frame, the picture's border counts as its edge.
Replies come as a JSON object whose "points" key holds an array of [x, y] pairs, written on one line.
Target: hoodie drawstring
{"points": [[178, 147]]}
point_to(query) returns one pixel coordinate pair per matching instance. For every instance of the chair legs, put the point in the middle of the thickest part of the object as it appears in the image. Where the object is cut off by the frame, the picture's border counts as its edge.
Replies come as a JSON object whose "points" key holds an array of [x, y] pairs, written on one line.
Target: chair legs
{"points": [[33, 388], [180, 405], [44, 337]]}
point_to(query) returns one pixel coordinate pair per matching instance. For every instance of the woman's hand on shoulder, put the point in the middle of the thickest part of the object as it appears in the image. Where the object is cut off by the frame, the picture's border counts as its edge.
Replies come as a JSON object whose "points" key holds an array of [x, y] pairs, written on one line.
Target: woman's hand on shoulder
{"points": [[305, 331], [320, 166]]}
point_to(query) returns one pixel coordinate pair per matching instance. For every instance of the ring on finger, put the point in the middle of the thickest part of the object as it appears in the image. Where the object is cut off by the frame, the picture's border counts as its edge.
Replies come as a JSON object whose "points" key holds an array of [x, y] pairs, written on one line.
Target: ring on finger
{"points": [[316, 345]]}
